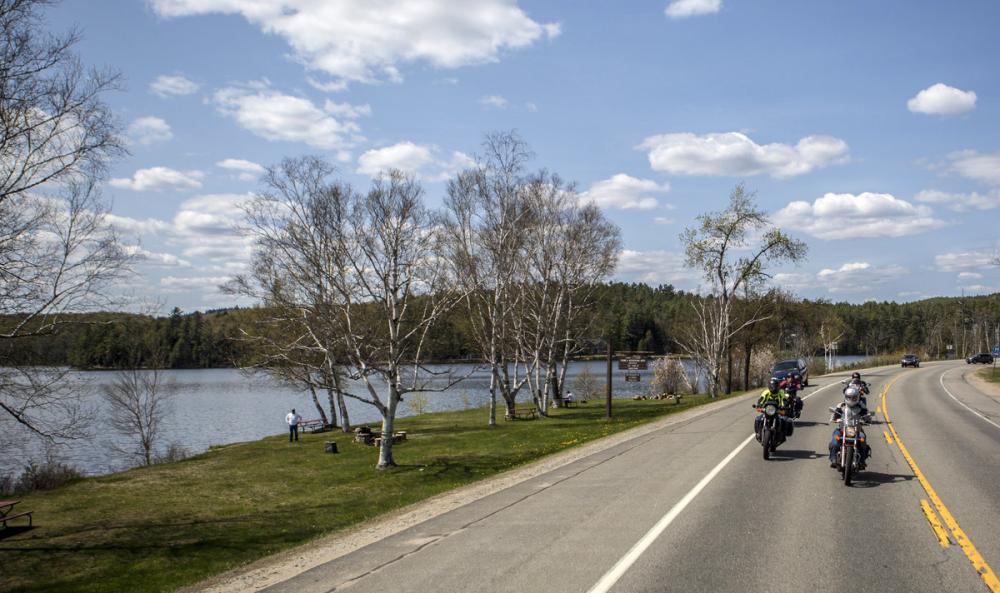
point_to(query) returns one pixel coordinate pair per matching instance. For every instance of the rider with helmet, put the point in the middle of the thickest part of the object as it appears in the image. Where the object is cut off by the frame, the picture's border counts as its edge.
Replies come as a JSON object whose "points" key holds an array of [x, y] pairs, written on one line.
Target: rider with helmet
{"points": [[852, 399], [774, 392], [861, 386], [791, 385]]}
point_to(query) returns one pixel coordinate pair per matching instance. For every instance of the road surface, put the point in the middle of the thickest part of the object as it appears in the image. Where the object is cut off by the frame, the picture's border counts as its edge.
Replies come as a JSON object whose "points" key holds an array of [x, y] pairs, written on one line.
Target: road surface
{"points": [[694, 508]]}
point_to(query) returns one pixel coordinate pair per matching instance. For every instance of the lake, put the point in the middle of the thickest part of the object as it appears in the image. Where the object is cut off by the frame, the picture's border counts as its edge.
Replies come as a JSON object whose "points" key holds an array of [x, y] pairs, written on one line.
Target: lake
{"points": [[222, 406]]}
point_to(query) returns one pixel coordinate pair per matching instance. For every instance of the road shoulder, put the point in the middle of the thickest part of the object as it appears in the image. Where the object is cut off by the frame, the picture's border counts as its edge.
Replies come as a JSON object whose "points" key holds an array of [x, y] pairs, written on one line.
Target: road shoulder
{"points": [[988, 389]]}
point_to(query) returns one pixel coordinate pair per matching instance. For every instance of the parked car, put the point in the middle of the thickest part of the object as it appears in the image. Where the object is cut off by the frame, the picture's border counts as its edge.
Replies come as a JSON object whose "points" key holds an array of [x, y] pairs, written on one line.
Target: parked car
{"points": [[981, 358], [786, 367], [910, 360]]}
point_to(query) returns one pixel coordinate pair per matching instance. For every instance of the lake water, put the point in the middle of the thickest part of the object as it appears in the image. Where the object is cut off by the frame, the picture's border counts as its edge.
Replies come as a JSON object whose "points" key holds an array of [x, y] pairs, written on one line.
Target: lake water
{"points": [[221, 406]]}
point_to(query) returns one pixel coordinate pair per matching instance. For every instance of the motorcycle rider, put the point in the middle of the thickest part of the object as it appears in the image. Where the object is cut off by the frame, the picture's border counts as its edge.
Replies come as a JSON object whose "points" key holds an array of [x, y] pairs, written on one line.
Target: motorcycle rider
{"points": [[861, 386], [775, 393], [791, 385], [852, 399]]}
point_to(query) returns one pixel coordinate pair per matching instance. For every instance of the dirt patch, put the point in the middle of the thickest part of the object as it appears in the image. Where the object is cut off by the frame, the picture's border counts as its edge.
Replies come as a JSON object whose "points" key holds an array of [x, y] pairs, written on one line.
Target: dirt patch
{"points": [[971, 377]]}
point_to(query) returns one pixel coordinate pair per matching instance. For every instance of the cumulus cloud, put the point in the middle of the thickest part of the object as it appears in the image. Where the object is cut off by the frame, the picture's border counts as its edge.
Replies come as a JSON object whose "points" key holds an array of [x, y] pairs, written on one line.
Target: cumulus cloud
{"points": [[363, 41], [848, 216], [153, 258], [961, 202], [245, 170], [136, 226], [172, 85], [858, 276], [149, 130], [625, 192], [941, 99], [970, 276], [420, 160], [273, 115], [493, 102], [679, 9], [160, 179], [972, 165], [189, 283], [963, 261], [735, 154], [654, 267]]}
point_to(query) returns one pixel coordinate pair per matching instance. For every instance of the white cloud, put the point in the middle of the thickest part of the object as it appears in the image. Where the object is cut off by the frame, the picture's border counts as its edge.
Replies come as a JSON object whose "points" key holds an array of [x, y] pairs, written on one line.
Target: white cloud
{"points": [[972, 165], [663, 220], [206, 228], [246, 170], [273, 115], [364, 41], [963, 261], [654, 267], [167, 260], [941, 99], [679, 9], [858, 276], [172, 85], [848, 216], [160, 179], [735, 154], [961, 202], [416, 159], [347, 110], [135, 226], [493, 102], [189, 283], [625, 192], [334, 86], [970, 276], [148, 130]]}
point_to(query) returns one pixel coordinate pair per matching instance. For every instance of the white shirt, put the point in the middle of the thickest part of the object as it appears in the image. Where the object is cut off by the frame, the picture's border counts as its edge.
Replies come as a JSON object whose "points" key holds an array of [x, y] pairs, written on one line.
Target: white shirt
{"points": [[292, 419]]}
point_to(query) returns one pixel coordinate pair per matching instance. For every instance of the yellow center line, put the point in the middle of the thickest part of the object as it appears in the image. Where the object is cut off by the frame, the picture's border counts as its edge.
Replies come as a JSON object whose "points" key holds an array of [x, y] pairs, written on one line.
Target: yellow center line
{"points": [[932, 518], [978, 563], [888, 438]]}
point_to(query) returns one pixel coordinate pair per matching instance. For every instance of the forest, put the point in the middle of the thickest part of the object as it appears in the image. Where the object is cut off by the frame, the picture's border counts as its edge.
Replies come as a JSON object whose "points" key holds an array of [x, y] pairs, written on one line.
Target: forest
{"points": [[636, 316]]}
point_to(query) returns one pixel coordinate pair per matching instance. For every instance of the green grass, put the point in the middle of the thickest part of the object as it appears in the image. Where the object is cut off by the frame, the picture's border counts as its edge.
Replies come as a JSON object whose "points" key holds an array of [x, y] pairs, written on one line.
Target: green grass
{"points": [[166, 526], [989, 374]]}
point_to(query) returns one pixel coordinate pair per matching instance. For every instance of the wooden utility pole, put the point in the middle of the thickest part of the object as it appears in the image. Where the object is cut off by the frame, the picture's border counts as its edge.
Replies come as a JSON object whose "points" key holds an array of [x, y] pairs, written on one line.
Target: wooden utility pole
{"points": [[607, 403]]}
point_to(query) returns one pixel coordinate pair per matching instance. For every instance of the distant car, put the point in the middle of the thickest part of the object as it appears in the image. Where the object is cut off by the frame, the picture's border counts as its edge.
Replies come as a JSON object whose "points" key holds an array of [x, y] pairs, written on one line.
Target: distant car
{"points": [[787, 367], [981, 358], [910, 360]]}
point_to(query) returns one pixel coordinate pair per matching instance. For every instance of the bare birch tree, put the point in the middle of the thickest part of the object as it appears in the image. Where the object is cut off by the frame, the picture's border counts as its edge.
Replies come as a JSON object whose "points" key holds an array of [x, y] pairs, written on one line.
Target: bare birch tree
{"points": [[57, 252], [138, 403], [732, 249], [363, 273], [484, 224]]}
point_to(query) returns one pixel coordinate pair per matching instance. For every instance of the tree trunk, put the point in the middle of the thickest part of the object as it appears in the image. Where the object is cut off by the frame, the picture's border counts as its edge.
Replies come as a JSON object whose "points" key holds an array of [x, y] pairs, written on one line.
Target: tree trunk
{"points": [[493, 397], [385, 460], [345, 419], [747, 349], [319, 406], [729, 370]]}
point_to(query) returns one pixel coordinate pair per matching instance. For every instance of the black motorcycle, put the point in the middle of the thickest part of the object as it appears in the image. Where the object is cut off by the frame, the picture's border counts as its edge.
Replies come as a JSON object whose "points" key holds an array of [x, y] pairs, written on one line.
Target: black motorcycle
{"points": [[770, 426], [851, 438]]}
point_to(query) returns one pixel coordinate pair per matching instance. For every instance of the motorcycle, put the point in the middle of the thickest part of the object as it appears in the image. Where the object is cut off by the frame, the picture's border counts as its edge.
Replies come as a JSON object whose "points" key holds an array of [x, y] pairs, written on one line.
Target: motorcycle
{"points": [[852, 439], [794, 401], [769, 426]]}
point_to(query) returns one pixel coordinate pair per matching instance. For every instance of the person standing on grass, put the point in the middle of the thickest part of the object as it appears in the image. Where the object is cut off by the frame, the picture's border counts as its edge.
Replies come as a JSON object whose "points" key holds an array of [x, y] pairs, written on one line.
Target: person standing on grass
{"points": [[293, 420]]}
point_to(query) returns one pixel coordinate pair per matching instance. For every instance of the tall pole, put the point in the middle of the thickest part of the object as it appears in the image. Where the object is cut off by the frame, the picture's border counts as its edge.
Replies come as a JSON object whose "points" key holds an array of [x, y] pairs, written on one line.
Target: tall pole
{"points": [[607, 399]]}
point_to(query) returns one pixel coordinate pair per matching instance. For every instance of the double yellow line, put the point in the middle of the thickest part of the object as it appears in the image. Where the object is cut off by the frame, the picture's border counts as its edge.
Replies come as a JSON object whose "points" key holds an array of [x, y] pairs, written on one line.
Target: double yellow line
{"points": [[982, 569]]}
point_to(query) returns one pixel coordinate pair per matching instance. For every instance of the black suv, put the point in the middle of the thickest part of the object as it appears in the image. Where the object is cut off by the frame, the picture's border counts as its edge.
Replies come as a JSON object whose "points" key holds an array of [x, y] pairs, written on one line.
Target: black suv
{"points": [[787, 367], [910, 360], [981, 358]]}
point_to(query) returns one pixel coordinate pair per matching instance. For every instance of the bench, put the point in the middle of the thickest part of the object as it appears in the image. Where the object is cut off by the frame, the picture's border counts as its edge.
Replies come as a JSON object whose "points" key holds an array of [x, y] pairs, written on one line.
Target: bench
{"points": [[312, 426], [5, 518], [523, 414]]}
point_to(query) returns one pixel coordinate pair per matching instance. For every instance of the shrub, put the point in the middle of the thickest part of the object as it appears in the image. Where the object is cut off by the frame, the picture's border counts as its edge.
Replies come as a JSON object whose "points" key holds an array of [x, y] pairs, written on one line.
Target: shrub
{"points": [[44, 476], [175, 452]]}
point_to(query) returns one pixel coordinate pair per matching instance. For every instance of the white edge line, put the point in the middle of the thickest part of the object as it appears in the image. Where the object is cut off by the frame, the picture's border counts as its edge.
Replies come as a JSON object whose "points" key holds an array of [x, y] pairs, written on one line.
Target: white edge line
{"points": [[941, 380], [618, 570]]}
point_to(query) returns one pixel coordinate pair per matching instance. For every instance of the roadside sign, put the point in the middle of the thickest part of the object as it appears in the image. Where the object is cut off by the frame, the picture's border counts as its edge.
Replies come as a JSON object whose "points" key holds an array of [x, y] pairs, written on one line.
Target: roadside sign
{"points": [[996, 351], [950, 347], [630, 378], [632, 364]]}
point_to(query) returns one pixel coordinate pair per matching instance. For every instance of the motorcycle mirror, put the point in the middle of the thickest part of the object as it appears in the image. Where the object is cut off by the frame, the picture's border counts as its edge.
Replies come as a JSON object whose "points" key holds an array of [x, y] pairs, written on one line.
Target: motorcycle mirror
{"points": [[832, 409]]}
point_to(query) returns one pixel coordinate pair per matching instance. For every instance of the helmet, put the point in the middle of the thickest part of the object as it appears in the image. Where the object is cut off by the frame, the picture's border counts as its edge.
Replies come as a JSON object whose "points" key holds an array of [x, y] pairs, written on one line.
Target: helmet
{"points": [[852, 396], [856, 375], [797, 376], [773, 385]]}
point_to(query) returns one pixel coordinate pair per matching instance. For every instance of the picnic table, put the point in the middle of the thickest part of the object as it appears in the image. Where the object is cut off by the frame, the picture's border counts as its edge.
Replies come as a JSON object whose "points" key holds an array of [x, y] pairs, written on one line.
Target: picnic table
{"points": [[7, 512], [570, 403], [522, 414]]}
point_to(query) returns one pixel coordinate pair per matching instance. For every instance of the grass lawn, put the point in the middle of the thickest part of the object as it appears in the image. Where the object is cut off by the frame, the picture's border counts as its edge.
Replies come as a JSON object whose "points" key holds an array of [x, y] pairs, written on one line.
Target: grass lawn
{"points": [[166, 526], [988, 374]]}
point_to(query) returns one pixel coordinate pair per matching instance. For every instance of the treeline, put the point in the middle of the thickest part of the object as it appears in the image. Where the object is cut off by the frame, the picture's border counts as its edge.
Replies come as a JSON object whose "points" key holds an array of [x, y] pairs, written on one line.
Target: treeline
{"points": [[636, 316]]}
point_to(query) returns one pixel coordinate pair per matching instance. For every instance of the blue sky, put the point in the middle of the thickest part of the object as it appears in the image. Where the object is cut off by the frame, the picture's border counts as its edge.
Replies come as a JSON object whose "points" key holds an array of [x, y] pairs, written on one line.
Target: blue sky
{"points": [[869, 130]]}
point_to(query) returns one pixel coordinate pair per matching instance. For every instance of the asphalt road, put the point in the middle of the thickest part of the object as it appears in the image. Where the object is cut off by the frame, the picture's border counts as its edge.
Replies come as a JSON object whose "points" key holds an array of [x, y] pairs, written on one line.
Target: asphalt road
{"points": [[687, 509]]}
